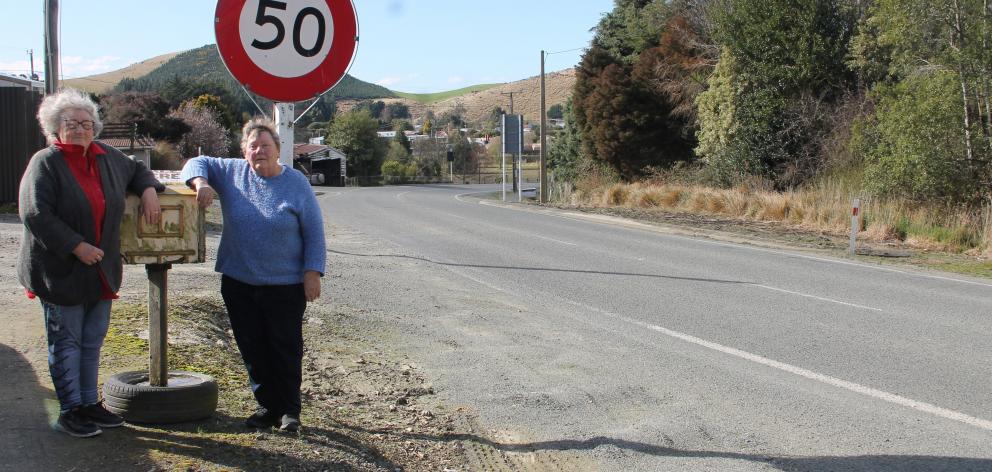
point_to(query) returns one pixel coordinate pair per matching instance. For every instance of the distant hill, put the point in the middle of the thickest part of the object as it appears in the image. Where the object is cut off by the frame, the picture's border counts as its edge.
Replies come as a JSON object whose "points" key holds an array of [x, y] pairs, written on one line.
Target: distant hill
{"points": [[479, 101], [106, 81], [430, 98], [204, 63]]}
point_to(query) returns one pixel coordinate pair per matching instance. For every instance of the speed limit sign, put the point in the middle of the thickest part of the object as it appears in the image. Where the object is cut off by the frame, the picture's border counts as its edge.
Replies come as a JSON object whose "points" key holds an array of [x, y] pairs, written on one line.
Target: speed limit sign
{"points": [[286, 51]]}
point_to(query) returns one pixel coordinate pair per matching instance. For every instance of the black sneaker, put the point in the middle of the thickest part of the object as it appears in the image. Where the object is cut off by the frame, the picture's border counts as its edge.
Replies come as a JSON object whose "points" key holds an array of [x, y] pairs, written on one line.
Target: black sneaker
{"points": [[289, 423], [100, 416], [262, 419], [75, 424]]}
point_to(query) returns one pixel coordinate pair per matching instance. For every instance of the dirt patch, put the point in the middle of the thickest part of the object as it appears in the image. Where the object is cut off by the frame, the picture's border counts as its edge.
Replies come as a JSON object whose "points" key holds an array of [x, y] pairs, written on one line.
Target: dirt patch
{"points": [[363, 408]]}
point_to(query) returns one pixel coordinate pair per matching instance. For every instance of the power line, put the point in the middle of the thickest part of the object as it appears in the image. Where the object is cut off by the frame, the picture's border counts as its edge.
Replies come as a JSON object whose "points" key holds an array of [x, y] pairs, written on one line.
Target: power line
{"points": [[567, 50]]}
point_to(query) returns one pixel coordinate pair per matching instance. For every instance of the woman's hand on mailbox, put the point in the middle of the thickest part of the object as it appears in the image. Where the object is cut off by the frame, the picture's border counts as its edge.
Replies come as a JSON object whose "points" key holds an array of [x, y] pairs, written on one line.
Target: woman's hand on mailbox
{"points": [[150, 207], [204, 192]]}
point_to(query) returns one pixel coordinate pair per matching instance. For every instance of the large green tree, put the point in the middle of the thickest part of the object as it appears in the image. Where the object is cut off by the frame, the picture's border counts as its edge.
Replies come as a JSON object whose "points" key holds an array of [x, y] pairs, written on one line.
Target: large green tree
{"points": [[355, 134], [947, 36], [625, 120], [930, 136], [788, 65], [910, 150]]}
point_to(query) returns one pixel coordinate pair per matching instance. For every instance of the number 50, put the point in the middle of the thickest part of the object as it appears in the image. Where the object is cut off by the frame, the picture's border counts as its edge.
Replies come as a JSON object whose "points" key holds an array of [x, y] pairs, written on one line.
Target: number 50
{"points": [[262, 19]]}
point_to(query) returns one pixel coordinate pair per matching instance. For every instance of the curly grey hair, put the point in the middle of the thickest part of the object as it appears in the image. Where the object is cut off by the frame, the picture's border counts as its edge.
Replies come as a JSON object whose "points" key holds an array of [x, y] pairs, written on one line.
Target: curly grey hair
{"points": [[54, 107], [257, 125]]}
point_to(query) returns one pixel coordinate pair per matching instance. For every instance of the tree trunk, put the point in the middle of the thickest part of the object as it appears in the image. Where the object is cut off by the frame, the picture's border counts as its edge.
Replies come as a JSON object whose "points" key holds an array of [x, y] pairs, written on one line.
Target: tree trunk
{"points": [[986, 12], [960, 37]]}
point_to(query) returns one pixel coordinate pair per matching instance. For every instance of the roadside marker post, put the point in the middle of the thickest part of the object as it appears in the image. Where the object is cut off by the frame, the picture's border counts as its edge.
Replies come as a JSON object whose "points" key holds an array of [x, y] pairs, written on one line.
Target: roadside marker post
{"points": [[855, 224]]}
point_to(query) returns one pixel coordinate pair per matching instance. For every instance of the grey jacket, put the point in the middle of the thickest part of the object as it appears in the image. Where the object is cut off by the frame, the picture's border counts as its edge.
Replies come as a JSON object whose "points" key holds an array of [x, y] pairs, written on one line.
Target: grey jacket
{"points": [[57, 217]]}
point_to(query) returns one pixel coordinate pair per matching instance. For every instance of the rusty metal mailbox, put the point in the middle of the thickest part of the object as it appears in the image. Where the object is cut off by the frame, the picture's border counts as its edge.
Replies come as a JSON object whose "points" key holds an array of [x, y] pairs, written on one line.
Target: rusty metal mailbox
{"points": [[179, 236]]}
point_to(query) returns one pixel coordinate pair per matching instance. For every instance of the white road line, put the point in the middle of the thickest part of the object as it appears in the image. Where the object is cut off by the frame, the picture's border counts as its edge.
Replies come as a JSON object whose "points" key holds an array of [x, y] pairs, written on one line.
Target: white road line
{"points": [[805, 373], [826, 379], [849, 263], [554, 240], [654, 229], [855, 305]]}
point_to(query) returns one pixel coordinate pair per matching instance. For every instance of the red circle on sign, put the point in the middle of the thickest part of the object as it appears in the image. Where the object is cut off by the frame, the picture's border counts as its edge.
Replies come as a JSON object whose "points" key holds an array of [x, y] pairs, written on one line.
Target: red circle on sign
{"points": [[286, 89]]}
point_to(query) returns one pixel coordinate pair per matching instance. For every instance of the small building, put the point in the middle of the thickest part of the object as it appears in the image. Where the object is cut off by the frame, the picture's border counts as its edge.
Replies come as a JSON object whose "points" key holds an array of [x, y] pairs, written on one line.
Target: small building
{"points": [[21, 81], [323, 164], [125, 137]]}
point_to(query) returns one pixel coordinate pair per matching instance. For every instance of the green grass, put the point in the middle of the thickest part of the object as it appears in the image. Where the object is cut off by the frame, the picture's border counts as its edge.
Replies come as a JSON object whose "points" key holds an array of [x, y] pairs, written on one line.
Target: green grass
{"points": [[429, 98], [203, 319], [8, 208]]}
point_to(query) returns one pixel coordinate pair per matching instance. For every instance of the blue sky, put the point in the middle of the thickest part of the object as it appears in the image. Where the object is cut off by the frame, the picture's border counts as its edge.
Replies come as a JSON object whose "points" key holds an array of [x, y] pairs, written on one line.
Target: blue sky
{"points": [[415, 46]]}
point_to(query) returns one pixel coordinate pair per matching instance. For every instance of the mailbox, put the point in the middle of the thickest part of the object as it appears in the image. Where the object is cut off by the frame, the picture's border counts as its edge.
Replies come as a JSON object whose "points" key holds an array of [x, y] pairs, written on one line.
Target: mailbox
{"points": [[179, 236]]}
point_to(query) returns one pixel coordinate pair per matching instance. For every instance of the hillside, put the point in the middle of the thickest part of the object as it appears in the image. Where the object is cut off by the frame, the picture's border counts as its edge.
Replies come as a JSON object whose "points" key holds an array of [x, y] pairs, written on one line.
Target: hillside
{"points": [[204, 63], [101, 83], [526, 97], [479, 102], [431, 98]]}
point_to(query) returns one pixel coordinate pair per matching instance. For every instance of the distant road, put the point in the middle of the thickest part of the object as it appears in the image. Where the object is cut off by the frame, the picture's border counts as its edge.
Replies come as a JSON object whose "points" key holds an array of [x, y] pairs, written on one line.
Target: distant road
{"points": [[600, 346]]}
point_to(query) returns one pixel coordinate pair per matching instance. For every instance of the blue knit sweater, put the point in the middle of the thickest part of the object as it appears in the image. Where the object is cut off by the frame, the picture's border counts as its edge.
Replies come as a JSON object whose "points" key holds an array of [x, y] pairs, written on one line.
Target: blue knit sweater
{"points": [[273, 229]]}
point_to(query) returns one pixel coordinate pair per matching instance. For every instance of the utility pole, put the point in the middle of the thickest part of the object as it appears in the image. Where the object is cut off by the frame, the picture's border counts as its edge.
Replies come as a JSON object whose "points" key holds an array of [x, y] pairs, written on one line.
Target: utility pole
{"points": [[51, 46], [31, 60], [511, 100], [544, 139]]}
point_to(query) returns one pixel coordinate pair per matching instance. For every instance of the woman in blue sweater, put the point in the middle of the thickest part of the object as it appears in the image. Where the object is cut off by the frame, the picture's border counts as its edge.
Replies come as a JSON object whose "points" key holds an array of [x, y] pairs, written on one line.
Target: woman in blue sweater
{"points": [[271, 256]]}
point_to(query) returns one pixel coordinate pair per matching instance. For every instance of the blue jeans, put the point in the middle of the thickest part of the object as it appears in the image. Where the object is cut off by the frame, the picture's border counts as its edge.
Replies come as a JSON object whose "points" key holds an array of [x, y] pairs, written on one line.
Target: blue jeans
{"points": [[75, 335]]}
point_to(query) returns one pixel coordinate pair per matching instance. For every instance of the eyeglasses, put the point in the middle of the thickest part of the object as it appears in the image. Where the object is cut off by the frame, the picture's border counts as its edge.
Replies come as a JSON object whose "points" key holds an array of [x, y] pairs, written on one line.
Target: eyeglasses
{"points": [[72, 124]]}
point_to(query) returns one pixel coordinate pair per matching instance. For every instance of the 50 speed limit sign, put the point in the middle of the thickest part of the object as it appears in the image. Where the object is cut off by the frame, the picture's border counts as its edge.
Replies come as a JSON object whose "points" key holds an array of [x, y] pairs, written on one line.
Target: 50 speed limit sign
{"points": [[286, 51]]}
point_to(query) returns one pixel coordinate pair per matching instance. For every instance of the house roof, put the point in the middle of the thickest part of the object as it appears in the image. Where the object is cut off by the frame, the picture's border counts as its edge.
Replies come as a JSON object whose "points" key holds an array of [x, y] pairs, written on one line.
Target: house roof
{"points": [[315, 150], [303, 149], [141, 142]]}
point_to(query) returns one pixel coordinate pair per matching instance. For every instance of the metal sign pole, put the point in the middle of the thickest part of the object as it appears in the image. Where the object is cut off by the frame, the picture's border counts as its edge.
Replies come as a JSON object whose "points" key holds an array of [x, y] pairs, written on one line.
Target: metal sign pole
{"points": [[283, 113], [502, 165], [520, 159]]}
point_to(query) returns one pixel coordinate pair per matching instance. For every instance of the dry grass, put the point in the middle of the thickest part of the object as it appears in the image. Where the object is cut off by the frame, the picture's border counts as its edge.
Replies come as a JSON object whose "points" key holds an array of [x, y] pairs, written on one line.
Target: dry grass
{"points": [[824, 207], [102, 83]]}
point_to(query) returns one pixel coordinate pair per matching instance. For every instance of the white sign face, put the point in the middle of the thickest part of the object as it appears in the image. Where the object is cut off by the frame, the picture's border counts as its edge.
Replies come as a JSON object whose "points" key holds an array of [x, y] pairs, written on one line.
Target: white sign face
{"points": [[286, 38]]}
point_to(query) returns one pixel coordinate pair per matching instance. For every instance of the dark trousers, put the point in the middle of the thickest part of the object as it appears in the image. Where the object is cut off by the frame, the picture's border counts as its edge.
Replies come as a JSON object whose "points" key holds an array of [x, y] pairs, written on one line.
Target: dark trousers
{"points": [[267, 321]]}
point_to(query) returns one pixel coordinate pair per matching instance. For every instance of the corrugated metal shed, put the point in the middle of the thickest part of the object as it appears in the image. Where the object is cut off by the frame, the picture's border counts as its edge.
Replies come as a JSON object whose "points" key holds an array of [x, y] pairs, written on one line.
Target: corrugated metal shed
{"points": [[20, 137]]}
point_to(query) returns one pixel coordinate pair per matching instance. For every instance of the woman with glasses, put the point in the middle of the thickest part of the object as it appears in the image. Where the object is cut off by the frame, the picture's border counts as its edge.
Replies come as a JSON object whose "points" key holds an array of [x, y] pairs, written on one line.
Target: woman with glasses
{"points": [[71, 203]]}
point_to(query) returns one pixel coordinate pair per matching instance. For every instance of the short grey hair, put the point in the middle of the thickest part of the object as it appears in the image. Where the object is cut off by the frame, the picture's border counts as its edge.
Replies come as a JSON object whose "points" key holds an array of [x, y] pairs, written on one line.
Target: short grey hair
{"points": [[55, 106], [257, 125]]}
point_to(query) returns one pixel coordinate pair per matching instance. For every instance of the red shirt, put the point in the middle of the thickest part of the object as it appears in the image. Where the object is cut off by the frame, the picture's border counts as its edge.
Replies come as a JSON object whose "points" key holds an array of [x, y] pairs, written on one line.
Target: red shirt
{"points": [[84, 167]]}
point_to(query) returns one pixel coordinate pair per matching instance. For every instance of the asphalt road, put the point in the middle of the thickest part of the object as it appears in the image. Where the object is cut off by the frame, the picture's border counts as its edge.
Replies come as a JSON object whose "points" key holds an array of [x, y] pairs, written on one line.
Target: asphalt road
{"points": [[587, 344]]}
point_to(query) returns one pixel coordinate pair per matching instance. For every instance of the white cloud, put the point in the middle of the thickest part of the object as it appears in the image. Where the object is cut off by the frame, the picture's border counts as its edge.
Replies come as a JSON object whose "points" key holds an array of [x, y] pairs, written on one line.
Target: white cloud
{"points": [[78, 66], [18, 67], [388, 81]]}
